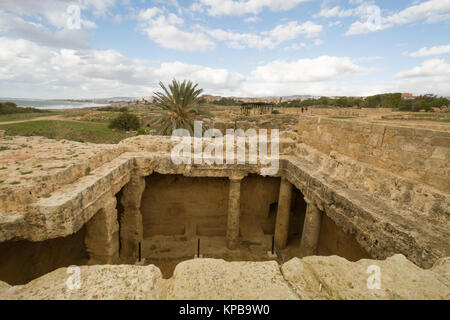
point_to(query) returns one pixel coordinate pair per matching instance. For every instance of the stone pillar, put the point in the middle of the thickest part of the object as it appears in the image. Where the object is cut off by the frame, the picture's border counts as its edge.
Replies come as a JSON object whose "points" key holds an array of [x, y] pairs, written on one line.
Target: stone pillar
{"points": [[283, 213], [234, 210], [131, 228], [311, 230], [102, 235]]}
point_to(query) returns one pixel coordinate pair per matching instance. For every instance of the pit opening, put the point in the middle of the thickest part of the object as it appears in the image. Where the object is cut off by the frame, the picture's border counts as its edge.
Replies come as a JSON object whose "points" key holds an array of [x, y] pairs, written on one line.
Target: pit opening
{"points": [[176, 212]]}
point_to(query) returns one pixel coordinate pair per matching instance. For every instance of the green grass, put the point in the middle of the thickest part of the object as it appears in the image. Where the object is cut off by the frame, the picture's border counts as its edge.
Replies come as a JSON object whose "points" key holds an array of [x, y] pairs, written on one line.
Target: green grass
{"points": [[23, 116], [69, 130], [437, 117], [343, 117]]}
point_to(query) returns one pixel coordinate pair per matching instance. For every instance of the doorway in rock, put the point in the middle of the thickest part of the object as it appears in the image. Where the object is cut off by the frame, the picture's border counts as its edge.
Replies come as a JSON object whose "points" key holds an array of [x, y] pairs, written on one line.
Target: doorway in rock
{"points": [[334, 241], [23, 261]]}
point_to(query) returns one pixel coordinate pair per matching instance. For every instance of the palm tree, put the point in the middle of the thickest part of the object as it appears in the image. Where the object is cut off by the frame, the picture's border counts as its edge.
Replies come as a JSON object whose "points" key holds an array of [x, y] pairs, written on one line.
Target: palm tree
{"points": [[179, 107]]}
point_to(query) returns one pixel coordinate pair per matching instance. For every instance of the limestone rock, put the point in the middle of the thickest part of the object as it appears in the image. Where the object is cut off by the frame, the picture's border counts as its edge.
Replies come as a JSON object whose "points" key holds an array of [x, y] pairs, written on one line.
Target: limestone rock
{"points": [[3, 286], [105, 282], [442, 267], [336, 278], [308, 278], [213, 279]]}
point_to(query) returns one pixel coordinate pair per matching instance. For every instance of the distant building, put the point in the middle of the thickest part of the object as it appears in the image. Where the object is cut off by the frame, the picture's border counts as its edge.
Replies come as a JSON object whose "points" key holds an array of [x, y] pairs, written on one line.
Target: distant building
{"points": [[209, 98], [256, 100], [407, 96]]}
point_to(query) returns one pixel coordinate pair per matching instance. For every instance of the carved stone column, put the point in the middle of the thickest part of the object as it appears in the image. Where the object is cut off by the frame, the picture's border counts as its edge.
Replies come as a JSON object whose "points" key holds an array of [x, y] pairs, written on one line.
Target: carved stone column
{"points": [[234, 210], [283, 213], [131, 228], [311, 230], [102, 235]]}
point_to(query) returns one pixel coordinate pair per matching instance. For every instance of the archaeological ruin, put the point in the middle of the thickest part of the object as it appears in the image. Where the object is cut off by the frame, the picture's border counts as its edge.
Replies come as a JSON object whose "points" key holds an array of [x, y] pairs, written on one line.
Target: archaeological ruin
{"points": [[347, 195]]}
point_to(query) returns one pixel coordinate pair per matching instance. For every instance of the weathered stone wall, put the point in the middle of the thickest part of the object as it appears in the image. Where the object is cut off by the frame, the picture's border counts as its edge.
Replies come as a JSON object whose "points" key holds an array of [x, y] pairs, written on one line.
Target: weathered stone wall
{"points": [[419, 154], [363, 112], [175, 205], [334, 241]]}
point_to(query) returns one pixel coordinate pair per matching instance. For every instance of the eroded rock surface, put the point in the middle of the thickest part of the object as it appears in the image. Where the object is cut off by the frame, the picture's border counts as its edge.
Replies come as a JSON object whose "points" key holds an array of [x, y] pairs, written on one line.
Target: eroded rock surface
{"points": [[218, 279], [106, 282], [336, 278], [3, 286], [308, 278]]}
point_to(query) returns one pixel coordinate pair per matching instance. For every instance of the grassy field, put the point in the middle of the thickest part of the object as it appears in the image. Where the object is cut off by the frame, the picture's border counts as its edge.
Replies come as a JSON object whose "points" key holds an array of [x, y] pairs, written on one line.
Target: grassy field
{"points": [[439, 117], [24, 116], [342, 117], [69, 130]]}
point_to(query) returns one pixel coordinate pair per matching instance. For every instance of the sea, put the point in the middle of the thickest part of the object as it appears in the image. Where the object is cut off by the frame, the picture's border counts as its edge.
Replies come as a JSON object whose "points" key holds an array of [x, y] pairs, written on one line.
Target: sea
{"points": [[52, 104]]}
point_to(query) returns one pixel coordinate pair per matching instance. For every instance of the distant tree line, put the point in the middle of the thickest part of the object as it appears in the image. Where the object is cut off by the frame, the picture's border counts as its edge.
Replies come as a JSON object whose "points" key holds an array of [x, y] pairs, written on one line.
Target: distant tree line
{"points": [[220, 102], [11, 107], [387, 100]]}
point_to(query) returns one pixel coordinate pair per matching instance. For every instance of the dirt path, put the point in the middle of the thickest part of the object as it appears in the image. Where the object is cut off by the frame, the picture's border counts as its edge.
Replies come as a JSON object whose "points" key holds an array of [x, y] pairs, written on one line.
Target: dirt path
{"points": [[58, 117]]}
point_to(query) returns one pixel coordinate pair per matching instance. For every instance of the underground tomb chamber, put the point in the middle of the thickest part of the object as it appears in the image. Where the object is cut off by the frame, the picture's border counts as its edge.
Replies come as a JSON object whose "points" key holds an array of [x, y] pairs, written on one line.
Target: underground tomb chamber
{"points": [[168, 214], [177, 211]]}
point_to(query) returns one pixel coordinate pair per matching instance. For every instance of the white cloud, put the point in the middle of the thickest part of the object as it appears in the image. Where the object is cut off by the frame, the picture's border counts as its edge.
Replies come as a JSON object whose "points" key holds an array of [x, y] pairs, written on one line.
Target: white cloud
{"points": [[335, 12], [55, 11], [296, 46], [30, 70], [242, 7], [267, 39], [433, 51], [361, 10], [334, 23], [323, 68], [318, 42], [430, 68], [431, 11], [251, 19], [165, 31], [13, 25]]}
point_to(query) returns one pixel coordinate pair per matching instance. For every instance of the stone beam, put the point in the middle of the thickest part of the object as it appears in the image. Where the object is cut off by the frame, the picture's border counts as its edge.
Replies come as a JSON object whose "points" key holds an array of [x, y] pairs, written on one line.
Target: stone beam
{"points": [[234, 210], [102, 235], [311, 230], [131, 228], [283, 213]]}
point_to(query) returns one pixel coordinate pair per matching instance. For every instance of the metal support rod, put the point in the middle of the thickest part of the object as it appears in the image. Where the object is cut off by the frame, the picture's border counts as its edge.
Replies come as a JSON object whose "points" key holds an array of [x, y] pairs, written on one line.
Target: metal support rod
{"points": [[198, 248], [139, 252], [273, 243]]}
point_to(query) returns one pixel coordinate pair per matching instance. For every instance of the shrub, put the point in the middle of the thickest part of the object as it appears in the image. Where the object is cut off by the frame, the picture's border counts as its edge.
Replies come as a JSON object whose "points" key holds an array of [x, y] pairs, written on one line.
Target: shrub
{"points": [[275, 112], [123, 109], [126, 122], [109, 108], [141, 132], [11, 108]]}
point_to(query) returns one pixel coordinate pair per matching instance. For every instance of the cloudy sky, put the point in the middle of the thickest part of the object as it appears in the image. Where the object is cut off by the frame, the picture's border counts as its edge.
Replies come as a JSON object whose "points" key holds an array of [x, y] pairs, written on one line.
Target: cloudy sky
{"points": [[105, 48]]}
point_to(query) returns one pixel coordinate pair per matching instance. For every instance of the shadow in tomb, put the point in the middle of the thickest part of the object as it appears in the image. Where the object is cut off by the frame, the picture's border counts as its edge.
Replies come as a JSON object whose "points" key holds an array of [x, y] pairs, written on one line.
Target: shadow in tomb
{"points": [[23, 261]]}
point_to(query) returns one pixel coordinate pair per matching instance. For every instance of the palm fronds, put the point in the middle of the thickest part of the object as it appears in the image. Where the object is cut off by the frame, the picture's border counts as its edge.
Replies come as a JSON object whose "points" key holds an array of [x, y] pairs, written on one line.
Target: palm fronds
{"points": [[179, 107]]}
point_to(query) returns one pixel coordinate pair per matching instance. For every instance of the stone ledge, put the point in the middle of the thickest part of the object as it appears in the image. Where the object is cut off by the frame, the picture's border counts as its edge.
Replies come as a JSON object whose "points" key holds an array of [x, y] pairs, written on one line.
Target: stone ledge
{"points": [[331, 278]]}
